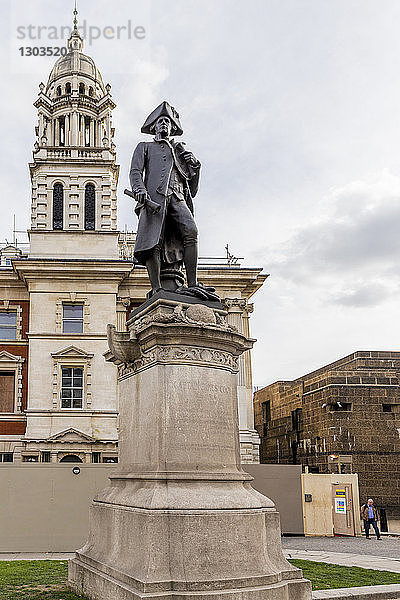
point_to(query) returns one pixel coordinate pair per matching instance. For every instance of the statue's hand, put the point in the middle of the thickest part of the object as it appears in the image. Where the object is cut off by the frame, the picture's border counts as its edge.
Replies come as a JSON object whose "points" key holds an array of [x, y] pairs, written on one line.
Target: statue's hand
{"points": [[191, 159], [141, 196]]}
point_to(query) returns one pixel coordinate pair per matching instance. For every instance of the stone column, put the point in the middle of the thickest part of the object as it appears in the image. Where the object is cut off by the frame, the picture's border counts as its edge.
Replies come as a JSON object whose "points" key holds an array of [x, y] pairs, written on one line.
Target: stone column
{"points": [[91, 132], [50, 132], [238, 315], [67, 130], [41, 127], [180, 519], [108, 125], [74, 137], [99, 134], [122, 307], [57, 132], [81, 130]]}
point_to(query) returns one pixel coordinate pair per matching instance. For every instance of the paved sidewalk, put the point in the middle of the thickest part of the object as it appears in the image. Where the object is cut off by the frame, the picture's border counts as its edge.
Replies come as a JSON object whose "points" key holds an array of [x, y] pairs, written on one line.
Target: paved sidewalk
{"points": [[36, 555], [350, 552], [373, 592], [389, 546], [365, 561]]}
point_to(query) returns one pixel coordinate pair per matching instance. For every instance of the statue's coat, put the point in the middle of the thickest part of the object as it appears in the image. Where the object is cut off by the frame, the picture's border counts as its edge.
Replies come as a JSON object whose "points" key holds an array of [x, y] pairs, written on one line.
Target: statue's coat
{"points": [[151, 167]]}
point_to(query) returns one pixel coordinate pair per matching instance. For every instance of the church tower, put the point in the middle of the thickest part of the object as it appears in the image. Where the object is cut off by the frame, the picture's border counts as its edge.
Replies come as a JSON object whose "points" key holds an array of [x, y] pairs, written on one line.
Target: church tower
{"points": [[74, 173], [73, 270]]}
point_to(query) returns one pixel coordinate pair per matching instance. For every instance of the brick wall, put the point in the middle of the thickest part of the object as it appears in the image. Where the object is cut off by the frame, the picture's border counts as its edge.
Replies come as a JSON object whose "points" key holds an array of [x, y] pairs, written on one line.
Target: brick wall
{"points": [[342, 413], [10, 427]]}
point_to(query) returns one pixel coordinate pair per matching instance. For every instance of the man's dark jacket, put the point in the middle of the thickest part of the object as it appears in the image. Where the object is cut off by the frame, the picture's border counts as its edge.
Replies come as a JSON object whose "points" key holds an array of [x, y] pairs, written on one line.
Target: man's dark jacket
{"points": [[365, 512], [151, 168]]}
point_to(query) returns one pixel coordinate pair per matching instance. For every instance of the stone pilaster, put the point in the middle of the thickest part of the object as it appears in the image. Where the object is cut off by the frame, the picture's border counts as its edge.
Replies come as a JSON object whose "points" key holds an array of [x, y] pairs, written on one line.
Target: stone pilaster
{"points": [[122, 307], [239, 310]]}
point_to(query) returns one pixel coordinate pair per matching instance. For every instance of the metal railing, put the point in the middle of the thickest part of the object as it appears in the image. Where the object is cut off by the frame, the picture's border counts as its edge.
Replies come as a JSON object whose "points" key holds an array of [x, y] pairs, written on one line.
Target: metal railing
{"points": [[126, 242]]}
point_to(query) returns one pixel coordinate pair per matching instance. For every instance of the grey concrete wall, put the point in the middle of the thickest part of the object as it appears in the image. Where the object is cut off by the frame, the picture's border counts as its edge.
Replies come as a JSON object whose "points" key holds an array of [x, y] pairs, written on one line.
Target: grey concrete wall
{"points": [[281, 483], [45, 508]]}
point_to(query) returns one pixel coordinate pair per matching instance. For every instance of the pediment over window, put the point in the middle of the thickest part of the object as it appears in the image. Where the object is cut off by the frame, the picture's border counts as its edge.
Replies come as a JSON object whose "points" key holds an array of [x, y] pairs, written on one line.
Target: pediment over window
{"points": [[72, 352], [71, 435], [7, 357]]}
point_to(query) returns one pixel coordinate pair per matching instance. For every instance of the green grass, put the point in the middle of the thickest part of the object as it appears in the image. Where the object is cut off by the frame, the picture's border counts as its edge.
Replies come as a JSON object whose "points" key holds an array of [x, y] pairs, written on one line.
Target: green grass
{"points": [[35, 580], [47, 579], [325, 577]]}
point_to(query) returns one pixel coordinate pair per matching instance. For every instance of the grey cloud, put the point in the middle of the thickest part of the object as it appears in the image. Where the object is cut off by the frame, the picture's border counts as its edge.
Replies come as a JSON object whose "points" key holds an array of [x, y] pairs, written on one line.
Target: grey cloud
{"points": [[369, 242], [365, 296], [350, 257]]}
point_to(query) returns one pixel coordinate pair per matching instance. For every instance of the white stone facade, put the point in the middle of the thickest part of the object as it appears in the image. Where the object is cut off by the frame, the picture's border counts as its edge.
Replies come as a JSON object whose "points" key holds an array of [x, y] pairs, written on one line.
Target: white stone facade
{"points": [[74, 144]]}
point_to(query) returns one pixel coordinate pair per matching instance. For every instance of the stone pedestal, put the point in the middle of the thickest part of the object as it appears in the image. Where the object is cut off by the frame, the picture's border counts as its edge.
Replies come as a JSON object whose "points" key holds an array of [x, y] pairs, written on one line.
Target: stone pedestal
{"points": [[180, 518]]}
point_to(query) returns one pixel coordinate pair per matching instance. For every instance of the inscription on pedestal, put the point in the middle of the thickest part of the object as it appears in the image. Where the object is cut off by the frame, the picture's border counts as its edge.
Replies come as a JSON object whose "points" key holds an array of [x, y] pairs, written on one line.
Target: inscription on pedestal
{"points": [[204, 420], [195, 386]]}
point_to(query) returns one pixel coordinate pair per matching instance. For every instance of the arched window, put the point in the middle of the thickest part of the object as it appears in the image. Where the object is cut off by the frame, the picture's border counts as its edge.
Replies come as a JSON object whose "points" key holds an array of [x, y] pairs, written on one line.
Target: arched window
{"points": [[81, 88], [58, 206], [68, 88], [90, 207], [91, 92], [59, 90], [71, 458]]}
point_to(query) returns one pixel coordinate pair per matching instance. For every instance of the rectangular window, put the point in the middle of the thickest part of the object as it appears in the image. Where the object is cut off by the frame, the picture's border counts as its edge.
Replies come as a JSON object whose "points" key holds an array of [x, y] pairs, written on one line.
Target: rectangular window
{"points": [[345, 464], [314, 470], [266, 416], [391, 408], [296, 419], [342, 407], [96, 457], [71, 387], [345, 468], [31, 458], [266, 411], [110, 459], [6, 457], [8, 325], [45, 456], [7, 391], [72, 318]]}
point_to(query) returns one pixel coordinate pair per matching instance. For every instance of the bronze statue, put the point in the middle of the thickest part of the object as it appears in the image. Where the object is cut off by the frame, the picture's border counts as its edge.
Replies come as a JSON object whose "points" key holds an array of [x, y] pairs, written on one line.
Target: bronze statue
{"points": [[164, 177]]}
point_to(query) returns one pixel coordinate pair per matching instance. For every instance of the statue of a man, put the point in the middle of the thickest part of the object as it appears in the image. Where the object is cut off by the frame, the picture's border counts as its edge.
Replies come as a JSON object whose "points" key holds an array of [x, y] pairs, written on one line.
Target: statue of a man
{"points": [[164, 178]]}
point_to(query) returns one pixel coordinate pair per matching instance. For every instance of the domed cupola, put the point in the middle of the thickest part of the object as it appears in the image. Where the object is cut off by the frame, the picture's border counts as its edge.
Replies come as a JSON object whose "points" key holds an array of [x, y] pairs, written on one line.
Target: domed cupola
{"points": [[75, 106], [75, 68], [74, 143]]}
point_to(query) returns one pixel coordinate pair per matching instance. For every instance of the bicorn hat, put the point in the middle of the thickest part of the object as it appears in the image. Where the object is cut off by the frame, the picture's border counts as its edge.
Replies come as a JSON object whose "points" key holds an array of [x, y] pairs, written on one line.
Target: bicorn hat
{"points": [[164, 110]]}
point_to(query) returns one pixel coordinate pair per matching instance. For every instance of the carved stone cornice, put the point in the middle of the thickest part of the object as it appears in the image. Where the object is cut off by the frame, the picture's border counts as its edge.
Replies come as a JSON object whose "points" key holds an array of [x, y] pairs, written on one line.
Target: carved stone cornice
{"points": [[249, 308], [175, 333], [234, 304], [93, 270], [182, 354], [195, 314], [123, 301], [237, 305]]}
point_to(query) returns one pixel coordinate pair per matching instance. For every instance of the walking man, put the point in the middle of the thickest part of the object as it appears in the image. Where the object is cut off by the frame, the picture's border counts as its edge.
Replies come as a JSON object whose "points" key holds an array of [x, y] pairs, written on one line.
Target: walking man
{"points": [[369, 515]]}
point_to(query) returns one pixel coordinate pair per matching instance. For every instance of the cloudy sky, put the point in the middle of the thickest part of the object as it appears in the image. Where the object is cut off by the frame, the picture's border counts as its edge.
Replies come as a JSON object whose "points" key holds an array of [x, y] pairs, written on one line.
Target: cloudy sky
{"points": [[292, 107]]}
